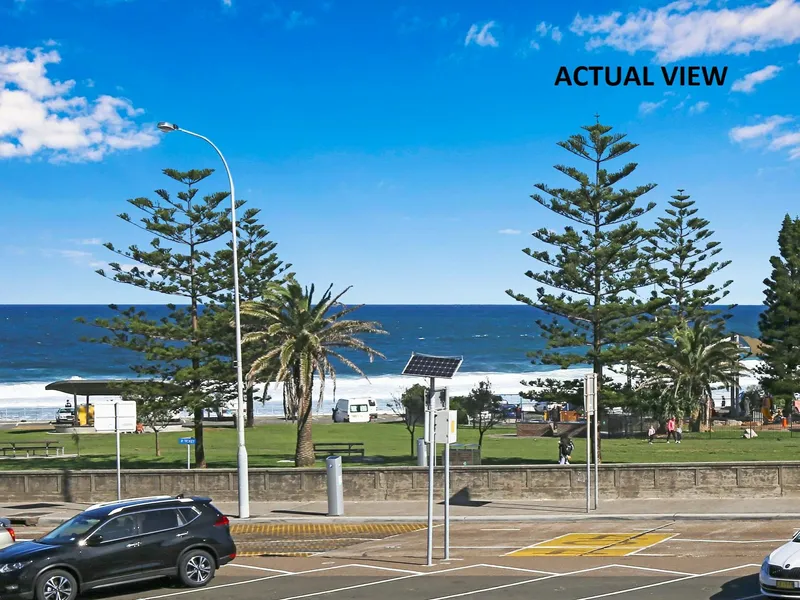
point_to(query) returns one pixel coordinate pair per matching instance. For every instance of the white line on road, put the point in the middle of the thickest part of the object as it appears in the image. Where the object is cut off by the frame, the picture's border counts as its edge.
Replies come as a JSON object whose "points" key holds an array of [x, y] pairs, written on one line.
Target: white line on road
{"points": [[665, 571], [732, 541], [502, 529], [258, 568], [516, 583], [661, 583]]}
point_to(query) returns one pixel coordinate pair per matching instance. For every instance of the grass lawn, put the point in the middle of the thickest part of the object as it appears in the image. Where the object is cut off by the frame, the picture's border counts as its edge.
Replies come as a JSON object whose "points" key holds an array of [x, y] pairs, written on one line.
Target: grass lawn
{"points": [[269, 444]]}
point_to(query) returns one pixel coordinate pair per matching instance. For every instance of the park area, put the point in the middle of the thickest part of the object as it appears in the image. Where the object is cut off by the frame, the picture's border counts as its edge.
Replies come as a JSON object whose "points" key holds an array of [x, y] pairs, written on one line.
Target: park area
{"points": [[385, 443]]}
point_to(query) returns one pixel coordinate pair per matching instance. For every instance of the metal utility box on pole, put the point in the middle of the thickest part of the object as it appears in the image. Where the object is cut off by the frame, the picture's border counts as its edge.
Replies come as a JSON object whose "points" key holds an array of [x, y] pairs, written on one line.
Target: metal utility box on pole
{"points": [[333, 466], [590, 408], [431, 367]]}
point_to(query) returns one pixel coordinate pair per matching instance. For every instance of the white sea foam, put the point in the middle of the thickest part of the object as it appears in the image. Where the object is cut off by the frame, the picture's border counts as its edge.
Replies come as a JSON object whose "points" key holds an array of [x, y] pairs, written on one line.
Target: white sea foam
{"points": [[382, 388]]}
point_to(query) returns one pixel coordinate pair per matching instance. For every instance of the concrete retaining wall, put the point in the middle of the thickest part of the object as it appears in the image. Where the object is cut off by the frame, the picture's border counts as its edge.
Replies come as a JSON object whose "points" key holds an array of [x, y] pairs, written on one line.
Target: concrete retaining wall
{"points": [[545, 482]]}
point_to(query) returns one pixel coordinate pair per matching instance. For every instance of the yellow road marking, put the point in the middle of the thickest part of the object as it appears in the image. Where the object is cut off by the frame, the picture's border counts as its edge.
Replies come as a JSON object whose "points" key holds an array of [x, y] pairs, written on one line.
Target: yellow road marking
{"points": [[323, 529], [593, 544]]}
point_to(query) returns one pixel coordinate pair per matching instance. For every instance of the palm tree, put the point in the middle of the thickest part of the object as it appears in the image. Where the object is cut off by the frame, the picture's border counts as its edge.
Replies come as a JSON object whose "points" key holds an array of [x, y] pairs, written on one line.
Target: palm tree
{"points": [[688, 366], [298, 339]]}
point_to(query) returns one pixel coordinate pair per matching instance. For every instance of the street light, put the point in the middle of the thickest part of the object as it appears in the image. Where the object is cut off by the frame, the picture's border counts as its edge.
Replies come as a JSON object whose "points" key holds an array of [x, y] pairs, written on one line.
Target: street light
{"points": [[244, 488]]}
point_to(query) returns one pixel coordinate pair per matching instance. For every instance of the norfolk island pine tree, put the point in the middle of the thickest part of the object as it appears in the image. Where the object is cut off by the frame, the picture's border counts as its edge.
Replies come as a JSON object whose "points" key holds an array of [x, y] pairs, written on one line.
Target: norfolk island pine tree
{"points": [[179, 263], [590, 287]]}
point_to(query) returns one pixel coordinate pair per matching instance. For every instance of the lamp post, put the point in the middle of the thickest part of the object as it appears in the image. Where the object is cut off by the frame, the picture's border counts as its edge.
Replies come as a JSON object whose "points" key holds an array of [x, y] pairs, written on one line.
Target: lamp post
{"points": [[241, 456]]}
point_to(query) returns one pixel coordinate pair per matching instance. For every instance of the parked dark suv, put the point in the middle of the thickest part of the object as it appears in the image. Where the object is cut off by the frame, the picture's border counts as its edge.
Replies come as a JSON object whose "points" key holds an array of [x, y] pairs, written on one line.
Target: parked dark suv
{"points": [[120, 542]]}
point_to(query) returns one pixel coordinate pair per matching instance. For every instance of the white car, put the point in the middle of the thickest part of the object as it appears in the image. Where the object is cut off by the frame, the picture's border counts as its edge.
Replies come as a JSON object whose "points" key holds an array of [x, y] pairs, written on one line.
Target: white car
{"points": [[780, 571], [7, 536]]}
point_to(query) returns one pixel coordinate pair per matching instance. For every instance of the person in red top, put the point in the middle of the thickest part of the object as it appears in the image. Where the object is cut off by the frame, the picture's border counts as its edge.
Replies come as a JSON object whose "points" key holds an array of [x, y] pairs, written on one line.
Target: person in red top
{"points": [[671, 429]]}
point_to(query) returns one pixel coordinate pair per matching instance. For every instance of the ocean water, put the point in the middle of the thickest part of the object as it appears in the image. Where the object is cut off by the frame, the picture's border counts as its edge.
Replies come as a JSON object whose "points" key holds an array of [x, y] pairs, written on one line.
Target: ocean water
{"points": [[40, 344]]}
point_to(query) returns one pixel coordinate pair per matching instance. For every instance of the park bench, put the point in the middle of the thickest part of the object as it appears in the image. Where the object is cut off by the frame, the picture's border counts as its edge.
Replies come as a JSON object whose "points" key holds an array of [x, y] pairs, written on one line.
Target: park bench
{"points": [[339, 448], [31, 447]]}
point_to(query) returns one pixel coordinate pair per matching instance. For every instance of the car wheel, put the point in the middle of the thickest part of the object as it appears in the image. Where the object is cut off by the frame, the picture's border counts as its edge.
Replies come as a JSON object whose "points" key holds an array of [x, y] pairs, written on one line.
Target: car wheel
{"points": [[195, 568], [56, 585]]}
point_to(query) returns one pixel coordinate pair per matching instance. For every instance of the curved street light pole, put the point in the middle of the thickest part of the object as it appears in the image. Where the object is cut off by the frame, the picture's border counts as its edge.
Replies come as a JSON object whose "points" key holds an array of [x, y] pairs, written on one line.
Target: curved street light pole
{"points": [[241, 456]]}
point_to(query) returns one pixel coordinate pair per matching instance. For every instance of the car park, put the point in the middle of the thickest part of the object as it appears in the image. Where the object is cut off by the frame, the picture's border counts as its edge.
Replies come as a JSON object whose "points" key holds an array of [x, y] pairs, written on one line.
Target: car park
{"points": [[780, 572], [115, 543]]}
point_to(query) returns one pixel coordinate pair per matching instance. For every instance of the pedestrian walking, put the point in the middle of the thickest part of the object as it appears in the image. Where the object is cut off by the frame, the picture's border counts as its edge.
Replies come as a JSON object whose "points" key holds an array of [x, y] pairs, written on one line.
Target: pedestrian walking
{"points": [[651, 433], [671, 429], [565, 449], [678, 434]]}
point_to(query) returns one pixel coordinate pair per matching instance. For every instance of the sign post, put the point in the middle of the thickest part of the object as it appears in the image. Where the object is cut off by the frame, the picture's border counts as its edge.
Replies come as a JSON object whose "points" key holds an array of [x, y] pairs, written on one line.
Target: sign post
{"points": [[118, 416], [446, 433], [590, 408], [431, 462], [188, 442], [119, 468]]}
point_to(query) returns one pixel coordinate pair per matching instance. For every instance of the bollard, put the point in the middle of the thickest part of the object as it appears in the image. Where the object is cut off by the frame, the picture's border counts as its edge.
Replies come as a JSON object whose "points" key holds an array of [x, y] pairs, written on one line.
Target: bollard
{"points": [[422, 452], [335, 491]]}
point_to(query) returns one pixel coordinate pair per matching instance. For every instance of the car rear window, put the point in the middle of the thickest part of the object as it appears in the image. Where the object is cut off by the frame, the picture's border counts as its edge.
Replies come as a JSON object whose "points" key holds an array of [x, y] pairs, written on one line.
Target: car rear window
{"points": [[189, 514]]}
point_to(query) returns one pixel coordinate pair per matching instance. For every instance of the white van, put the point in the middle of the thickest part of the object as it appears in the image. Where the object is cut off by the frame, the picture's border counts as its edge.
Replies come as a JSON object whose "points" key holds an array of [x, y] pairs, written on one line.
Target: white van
{"points": [[351, 411]]}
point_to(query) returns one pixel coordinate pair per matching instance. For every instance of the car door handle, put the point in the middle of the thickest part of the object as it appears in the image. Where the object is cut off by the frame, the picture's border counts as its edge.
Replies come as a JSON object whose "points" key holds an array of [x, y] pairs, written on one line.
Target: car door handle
{"points": [[134, 545], [182, 534]]}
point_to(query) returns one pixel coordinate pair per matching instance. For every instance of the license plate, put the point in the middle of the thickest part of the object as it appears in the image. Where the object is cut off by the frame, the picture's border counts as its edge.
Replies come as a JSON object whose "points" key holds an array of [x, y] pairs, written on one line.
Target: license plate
{"points": [[784, 585]]}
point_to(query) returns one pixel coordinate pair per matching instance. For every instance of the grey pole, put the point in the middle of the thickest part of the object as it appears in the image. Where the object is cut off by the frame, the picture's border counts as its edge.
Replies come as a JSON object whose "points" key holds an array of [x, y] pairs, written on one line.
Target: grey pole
{"points": [[596, 449], [431, 458], [587, 401], [447, 480], [333, 465], [241, 456], [116, 431]]}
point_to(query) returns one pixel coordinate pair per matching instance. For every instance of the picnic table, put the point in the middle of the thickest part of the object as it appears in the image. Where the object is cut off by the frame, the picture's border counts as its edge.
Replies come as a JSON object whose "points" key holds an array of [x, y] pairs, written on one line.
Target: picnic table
{"points": [[30, 447], [339, 448]]}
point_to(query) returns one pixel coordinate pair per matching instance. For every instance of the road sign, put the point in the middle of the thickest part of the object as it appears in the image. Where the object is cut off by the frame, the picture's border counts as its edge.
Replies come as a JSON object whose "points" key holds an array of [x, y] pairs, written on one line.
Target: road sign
{"points": [[187, 440]]}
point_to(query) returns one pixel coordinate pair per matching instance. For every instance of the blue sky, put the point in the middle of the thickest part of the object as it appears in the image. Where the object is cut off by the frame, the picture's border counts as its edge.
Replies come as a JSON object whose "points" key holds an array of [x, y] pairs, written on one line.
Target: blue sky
{"points": [[391, 146]]}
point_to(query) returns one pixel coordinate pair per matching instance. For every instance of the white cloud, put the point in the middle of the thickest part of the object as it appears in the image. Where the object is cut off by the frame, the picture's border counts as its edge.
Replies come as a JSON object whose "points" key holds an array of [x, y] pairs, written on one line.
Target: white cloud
{"points": [[510, 231], [544, 28], [39, 115], [749, 82], [89, 242], [75, 255], [698, 107], [482, 37], [227, 3], [770, 130], [645, 108], [785, 140], [534, 45], [686, 28], [761, 130]]}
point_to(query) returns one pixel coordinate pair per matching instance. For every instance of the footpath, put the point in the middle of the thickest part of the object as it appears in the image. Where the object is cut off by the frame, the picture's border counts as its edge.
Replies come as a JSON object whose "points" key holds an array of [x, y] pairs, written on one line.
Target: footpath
{"points": [[51, 514]]}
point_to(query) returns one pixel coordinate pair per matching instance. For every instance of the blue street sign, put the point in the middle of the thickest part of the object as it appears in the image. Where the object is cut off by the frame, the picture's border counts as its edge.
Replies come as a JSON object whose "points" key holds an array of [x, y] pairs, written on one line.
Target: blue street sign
{"points": [[190, 441]]}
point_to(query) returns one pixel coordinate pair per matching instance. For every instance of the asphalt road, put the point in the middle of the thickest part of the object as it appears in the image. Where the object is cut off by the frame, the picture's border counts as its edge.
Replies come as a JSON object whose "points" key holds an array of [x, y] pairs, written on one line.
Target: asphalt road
{"points": [[570, 561]]}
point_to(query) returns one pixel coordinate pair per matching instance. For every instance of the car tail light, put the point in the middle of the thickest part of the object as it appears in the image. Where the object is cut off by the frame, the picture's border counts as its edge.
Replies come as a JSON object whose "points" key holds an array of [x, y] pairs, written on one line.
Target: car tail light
{"points": [[232, 556], [222, 521], [12, 534]]}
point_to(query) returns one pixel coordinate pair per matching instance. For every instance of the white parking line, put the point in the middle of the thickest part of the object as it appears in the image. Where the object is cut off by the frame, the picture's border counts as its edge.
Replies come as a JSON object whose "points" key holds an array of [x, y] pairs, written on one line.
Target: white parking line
{"points": [[235, 583], [520, 569], [661, 583], [654, 570], [516, 583], [258, 568], [732, 541]]}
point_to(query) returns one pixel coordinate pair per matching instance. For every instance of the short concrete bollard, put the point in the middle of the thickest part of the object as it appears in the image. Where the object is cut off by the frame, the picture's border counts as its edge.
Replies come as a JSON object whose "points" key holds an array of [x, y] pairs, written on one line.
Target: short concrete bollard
{"points": [[333, 466]]}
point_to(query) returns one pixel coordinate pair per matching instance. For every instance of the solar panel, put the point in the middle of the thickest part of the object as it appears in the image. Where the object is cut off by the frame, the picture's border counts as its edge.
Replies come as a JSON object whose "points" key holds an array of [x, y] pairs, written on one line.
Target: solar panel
{"points": [[424, 365]]}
